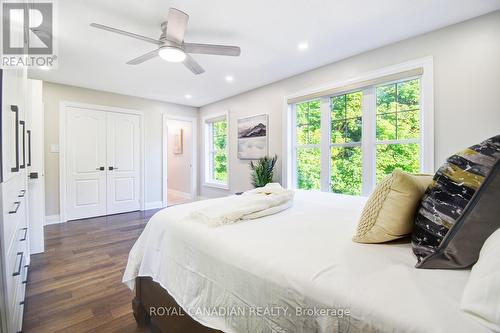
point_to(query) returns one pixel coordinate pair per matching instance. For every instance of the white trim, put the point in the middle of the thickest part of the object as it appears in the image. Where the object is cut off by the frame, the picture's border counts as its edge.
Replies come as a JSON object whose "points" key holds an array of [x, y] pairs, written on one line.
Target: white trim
{"points": [[63, 105], [425, 63], [368, 131], [154, 205], [213, 184], [426, 121], [325, 172], [287, 152], [194, 158], [204, 121], [52, 219], [183, 195]]}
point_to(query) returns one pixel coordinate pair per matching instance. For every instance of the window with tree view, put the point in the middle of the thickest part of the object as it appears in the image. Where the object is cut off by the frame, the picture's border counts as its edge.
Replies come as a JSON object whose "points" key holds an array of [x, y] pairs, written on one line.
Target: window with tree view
{"points": [[217, 151], [398, 127], [308, 120], [345, 150], [370, 132]]}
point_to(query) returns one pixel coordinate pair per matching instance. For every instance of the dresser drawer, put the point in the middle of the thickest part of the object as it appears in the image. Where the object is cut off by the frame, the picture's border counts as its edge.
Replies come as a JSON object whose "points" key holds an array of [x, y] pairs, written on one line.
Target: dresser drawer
{"points": [[16, 273], [14, 210], [19, 296], [18, 321]]}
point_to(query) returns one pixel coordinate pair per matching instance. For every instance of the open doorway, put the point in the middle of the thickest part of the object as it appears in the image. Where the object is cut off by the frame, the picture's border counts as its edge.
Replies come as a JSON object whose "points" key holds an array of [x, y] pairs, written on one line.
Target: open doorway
{"points": [[179, 160]]}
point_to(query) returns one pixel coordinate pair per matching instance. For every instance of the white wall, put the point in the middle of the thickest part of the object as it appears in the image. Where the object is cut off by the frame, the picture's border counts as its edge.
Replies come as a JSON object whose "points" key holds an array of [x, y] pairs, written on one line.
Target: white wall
{"points": [[179, 165], [466, 91], [54, 93]]}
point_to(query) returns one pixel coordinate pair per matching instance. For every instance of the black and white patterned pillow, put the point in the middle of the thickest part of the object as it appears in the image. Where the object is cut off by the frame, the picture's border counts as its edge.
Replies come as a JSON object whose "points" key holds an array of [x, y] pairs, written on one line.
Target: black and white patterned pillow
{"points": [[456, 214]]}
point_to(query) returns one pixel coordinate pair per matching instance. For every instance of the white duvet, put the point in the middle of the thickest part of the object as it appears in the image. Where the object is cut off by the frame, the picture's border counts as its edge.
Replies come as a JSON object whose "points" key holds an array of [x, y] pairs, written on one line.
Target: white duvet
{"points": [[301, 260]]}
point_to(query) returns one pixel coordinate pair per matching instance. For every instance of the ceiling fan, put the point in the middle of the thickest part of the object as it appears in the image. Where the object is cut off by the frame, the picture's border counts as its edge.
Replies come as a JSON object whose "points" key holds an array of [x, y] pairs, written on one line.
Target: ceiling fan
{"points": [[171, 45]]}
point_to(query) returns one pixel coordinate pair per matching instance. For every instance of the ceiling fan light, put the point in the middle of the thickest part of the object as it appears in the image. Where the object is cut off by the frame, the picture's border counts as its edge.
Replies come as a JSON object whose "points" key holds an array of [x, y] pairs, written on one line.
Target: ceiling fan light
{"points": [[172, 54]]}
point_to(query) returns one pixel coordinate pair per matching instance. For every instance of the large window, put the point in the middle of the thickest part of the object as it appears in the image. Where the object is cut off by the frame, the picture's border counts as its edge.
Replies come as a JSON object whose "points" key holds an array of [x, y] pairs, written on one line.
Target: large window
{"points": [[216, 167], [346, 142]]}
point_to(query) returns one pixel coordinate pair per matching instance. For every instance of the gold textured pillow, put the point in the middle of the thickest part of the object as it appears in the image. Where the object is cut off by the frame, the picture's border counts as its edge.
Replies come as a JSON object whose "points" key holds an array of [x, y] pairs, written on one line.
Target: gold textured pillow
{"points": [[390, 210]]}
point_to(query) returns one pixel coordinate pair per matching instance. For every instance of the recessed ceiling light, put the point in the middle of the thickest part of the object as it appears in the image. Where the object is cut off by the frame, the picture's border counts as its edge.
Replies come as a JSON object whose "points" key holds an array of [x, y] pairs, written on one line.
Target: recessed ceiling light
{"points": [[302, 46], [188, 96], [44, 68], [229, 78]]}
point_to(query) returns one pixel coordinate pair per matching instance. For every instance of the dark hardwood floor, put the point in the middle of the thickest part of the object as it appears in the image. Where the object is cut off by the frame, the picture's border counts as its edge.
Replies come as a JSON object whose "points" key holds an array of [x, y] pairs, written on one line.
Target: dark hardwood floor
{"points": [[75, 285]]}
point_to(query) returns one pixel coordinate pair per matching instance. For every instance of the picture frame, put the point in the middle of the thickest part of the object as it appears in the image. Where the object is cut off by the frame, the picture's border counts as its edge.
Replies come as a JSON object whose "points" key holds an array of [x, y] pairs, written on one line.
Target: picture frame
{"points": [[253, 137]]}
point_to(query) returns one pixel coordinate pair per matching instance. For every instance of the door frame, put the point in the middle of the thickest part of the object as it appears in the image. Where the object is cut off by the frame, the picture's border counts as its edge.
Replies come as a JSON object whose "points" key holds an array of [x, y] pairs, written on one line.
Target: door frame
{"points": [[63, 108], [194, 157]]}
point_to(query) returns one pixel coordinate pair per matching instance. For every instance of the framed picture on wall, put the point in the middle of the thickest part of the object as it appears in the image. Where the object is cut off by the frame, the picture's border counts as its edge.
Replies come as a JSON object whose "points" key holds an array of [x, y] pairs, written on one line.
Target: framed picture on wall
{"points": [[177, 147], [252, 137]]}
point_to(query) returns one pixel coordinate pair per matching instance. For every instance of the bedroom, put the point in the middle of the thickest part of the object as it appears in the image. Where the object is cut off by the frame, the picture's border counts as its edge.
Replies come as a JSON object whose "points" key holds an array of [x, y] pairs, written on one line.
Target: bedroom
{"points": [[122, 174]]}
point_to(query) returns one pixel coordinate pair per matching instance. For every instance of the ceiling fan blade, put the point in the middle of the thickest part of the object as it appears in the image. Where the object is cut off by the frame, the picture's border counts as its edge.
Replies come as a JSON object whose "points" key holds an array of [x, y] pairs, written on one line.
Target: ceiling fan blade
{"points": [[223, 50], [143, 58], [176, 25], [125, 33], [193, 66]]}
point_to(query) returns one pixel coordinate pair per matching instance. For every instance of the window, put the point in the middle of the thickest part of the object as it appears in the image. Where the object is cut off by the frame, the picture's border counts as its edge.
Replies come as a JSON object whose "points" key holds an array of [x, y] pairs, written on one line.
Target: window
{"points": [[348, 141], [345, 147], [216, 166], [308, 145], [398, 127]]}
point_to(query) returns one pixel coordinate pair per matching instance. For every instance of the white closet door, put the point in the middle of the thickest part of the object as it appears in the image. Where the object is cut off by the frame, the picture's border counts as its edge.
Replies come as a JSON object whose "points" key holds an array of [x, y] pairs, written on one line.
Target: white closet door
{"points": [[123, 171], [85, 163]]}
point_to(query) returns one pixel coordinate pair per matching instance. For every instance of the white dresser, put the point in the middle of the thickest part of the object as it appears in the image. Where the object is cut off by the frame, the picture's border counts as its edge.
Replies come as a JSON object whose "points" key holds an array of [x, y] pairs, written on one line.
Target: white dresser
{"points": [[14, 227]]}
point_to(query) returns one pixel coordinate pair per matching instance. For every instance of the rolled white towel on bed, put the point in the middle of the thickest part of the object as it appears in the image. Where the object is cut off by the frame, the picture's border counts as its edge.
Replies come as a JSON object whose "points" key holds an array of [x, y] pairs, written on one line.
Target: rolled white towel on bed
{"points": [[252, 204]]}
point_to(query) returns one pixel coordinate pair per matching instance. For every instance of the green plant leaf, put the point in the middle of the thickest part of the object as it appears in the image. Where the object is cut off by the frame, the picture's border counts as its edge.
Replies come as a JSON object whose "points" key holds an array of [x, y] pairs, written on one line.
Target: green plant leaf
{"points": [[263, 171]]}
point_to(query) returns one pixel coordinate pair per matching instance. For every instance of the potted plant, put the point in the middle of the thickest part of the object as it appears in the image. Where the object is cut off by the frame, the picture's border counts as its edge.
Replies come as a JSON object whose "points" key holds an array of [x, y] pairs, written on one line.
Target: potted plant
{"points": [[263, 171]]}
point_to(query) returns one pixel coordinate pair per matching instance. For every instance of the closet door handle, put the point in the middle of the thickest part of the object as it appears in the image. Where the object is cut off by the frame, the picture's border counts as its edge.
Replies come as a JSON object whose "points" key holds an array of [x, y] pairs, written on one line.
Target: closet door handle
{"points": [[15, 109], [29, 147], [17, 204], [20, 264], [100, 169], [23, 124], [112, 168], [25, 234]]}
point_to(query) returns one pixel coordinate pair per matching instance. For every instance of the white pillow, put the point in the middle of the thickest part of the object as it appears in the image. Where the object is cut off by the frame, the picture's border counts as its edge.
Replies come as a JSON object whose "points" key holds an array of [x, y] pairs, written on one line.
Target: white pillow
{"points": [[481, 296]]}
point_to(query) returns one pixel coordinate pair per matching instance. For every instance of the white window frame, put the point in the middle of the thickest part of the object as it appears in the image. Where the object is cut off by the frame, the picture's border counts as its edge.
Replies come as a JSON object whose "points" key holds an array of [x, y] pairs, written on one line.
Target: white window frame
{"points": [[208, 179], [369, 142]]}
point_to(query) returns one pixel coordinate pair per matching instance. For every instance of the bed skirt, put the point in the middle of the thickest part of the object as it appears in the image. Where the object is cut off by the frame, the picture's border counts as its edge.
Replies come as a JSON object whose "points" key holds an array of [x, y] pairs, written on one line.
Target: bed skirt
{"points": [[154, 307]]}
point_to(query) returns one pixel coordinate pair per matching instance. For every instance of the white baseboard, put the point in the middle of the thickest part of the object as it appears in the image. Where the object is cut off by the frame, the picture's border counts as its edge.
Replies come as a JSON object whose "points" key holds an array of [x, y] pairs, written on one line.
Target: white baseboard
{"points": [[154, 205], [201, 198], [183, 195], [52, 219]]}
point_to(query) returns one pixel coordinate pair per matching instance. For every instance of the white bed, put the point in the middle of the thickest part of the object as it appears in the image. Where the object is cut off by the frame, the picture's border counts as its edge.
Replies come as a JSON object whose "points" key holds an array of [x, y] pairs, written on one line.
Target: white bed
{"points": [[300, 258]]}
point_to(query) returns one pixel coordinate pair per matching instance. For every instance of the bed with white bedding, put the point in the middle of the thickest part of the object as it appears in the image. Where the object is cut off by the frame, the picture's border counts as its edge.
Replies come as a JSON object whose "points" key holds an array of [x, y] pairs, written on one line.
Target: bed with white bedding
{"points": [[299, 260]]}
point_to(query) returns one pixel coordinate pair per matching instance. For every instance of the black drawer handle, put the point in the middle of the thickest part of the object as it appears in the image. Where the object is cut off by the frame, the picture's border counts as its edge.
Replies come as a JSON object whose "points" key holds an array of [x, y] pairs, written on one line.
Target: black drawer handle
{"points": [[21, 195], [28, 132], [17, 204], [23, 124], [15, 109], [20, 264], [25, 234]]}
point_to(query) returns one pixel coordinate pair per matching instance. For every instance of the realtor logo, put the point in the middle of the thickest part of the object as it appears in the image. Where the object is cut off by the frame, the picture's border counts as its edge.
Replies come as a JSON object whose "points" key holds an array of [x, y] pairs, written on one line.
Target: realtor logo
{"points": [[28, 34]]}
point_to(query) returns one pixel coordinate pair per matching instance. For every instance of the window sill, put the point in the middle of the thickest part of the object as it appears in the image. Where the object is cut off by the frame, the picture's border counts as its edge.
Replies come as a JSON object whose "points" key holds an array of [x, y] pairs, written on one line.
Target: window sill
{"points": [[221, 186]]}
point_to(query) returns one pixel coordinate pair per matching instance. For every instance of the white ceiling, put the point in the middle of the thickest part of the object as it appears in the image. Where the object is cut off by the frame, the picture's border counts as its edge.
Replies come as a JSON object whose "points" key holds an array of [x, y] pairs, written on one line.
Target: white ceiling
{"points": [[267, 31]]}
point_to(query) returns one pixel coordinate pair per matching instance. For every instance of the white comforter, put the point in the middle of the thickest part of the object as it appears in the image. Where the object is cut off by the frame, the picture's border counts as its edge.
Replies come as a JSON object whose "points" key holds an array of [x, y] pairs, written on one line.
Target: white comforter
{"points": [[302, 259]]}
